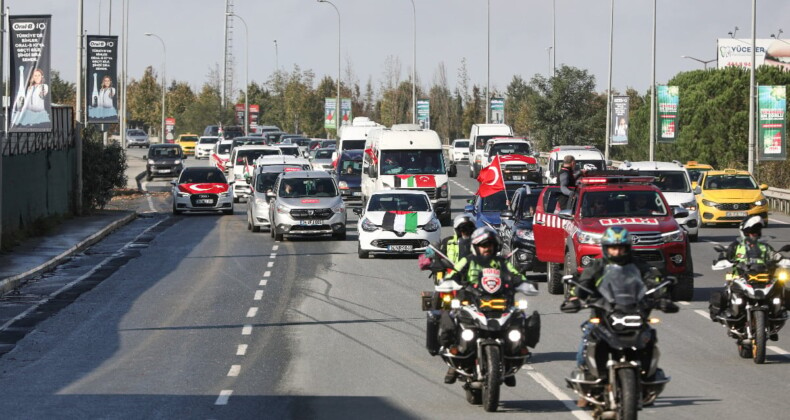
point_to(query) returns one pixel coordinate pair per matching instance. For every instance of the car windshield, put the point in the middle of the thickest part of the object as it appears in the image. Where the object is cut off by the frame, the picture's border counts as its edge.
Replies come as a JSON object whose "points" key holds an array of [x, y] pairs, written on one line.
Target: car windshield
{"points": [[395, 162], [730, 182], [224, 149], [669, 181], [209, 140], [265, 181], [189, 138], [498, 200], [165, 152], [279, 168], [528, 205], [323, 154], [232, 132], [353, 144], [622, 204], [290, 150], [135, 132], [482, 140], [247, 157], [243, 141], [307, 187], [509, 149], [399, 202], [694, 174], [461, 144], [596, 165], [351, 167], [200, 176], [329, 144]]}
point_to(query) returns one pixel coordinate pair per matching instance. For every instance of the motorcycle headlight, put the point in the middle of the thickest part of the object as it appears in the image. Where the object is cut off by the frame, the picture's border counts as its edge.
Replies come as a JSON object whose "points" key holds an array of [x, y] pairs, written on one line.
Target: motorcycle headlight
{"points": [[443, 191], [760, 202], [674, 236], [589, 238], [343, 185], [177, 162], [368, 226], [690, 206], [282, 209], [533, 166], [151, 161], [525, 234], [467, 335], [709, 203], [432, 226]]}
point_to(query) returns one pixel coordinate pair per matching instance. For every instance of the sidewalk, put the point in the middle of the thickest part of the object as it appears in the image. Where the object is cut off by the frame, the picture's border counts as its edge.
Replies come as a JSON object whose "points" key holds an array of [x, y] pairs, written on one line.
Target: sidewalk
{"points": [[41, 254]]}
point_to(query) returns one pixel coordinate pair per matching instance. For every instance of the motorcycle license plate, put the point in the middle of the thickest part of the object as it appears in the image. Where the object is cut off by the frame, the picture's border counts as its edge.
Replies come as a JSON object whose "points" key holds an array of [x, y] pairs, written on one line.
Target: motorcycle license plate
{"points": [[163, 171], [204, 201], [400, 248], [311, 222], [736, 214], [357, 194]]}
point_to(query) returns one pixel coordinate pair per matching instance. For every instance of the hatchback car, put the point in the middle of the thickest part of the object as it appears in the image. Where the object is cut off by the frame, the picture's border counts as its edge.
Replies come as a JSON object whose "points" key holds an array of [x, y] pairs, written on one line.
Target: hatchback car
{"points": [[290, 150], [163, 161], [307, 204], [202, 188], [397, 222], [322, 159], [729, 196], [459, 151], [205, 146], [188, 142], [135, 137], [221, 154]]}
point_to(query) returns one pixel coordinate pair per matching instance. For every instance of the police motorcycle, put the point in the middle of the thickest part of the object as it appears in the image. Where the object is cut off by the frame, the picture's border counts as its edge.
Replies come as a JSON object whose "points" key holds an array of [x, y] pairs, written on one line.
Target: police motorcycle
{"points": [[620, 354], [755, 305]]}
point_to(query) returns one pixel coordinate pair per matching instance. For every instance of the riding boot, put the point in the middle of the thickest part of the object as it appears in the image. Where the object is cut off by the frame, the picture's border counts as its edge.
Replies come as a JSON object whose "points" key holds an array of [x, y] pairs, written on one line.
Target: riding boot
{"points": [[450, 376]]}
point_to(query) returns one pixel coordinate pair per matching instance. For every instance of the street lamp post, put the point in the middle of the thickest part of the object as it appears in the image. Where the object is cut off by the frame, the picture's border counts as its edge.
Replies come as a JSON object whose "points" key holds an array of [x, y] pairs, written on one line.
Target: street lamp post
{"points": [[554, 36], [488, 60], [548, 49], [653, 92], [164, 80], [704, 62], [751, 89], [609, 91], [246, 74], [414, 68], [337, 104], [276, 57]]}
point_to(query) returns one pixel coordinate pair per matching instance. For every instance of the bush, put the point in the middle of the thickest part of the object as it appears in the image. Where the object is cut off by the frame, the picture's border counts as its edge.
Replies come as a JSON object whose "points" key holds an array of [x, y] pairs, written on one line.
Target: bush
{"points": [[103, 169]]}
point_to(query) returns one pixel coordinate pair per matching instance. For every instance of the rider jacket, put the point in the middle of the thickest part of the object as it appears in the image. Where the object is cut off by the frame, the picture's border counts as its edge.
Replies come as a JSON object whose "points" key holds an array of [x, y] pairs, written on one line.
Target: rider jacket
{"points": [[742, 250], [455, 248], [488, 272], [566, 179]]}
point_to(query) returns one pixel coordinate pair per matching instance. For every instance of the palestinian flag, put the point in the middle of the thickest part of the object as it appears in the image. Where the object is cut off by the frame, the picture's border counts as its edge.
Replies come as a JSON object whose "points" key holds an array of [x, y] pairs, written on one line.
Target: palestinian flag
{"points": [[400, 221], [415, 181]]}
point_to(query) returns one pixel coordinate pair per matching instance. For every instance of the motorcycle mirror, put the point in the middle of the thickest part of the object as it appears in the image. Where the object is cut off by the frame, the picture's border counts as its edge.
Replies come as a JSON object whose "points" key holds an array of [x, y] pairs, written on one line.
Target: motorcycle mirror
{"points": [[567, 279], [721, 265], [784, 248], [719, 248], [528, 289]]}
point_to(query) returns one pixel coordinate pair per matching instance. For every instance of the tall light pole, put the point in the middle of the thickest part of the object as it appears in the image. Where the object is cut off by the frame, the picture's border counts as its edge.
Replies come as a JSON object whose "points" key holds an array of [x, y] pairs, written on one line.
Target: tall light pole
{"points": [[488, 60], [246, 74], [164, 80], [751, 88], [609, 90], [414, 67], [80, 18], [337, 104], [554, 36], [276, 57], [653, 92], [704, 62], [551, 72]]}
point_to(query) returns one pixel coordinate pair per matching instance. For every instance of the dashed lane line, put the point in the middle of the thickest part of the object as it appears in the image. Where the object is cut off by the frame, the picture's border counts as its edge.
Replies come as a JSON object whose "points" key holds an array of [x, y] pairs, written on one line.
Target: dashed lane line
{"points": [[702, 313], [224, 396], [684, 303], [270, 264], [273, 255], [234, 370], [258, 295], [252, 312], [557, 393], [267, 274], [241, 350], [263, 282], [779, 221], [148, 197], [246, 330], [275, 247]]}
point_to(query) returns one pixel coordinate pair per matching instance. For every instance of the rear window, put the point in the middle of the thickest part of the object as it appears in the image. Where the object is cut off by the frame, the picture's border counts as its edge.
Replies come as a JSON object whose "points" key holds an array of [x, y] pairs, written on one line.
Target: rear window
{"points": [[353, 144], [462, 144], [223, 149], [323, 154], [189, 138], [248, 156], [290, 150], [399, 202], [135, 132], [351, 167], [209, 140], [161, 152]]}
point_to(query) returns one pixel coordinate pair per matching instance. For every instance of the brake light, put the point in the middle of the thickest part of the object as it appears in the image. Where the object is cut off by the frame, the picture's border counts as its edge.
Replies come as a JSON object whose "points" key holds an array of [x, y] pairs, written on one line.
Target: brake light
{"points": [[594, 180]]}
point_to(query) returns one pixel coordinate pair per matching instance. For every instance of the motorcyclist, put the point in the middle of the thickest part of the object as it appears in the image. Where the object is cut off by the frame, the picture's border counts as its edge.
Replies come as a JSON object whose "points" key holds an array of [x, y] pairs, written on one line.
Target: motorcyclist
{"points": [[616, 249]]}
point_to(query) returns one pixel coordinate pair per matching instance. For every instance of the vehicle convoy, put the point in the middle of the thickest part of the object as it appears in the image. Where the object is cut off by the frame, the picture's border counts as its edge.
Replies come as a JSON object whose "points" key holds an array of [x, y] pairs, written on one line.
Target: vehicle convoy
{"points": [[620, 370], [242, 159], [479, 135], [205, 146], [515, 229], [674, 182], [516, 158], [163, 161], [569, 240], [486, 211], [729, 196], [307, 203], [755, 306], [202, 188], [587, 157], [267, 169], [407, 157], [354, 136], [188, 142]]}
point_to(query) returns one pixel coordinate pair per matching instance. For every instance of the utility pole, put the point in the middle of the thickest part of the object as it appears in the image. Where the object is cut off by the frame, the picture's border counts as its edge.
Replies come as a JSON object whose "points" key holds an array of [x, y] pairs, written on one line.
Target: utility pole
{"points": [[751, 89], [5, 131], [653, 92], [609, 91]]}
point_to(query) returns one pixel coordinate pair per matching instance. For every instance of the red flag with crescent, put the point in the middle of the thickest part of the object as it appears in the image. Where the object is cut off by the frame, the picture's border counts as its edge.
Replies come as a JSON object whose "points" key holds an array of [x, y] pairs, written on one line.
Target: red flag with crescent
{"points": [[490, 179]]}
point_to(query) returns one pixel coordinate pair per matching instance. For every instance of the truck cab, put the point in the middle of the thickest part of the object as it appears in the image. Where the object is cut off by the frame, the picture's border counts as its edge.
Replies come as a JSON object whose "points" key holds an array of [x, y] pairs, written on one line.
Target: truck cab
{"points": [[569, 239], [516, 158]]}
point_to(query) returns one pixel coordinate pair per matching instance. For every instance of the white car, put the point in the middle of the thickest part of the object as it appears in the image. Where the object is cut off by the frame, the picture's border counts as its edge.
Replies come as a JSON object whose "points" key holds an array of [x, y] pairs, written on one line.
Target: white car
{"points": [[397, 222], [205, 147], [241, 165], [459, 151], [202, 188], [221, 154], [267, 169]]}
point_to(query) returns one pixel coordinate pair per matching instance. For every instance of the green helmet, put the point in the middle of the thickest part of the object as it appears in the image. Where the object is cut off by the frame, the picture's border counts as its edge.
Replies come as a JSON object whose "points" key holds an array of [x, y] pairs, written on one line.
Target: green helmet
{"points": [[616, 236]]}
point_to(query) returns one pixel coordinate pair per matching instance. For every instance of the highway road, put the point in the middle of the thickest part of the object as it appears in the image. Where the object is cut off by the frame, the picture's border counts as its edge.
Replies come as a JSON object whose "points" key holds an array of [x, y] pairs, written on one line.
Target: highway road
{"points": [[209, 320]]}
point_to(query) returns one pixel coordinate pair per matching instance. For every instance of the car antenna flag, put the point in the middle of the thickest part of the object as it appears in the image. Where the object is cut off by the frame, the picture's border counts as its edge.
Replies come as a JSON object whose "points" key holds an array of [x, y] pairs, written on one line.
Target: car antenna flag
{"points": [[491, 179]]}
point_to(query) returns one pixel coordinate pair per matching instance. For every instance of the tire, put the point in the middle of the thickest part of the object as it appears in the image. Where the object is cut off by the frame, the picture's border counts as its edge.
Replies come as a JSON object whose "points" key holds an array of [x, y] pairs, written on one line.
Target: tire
{"points": [[149, 178], [555, 285], [340, 236], [175, 211], [277, 235], [758, 344], [362, 254], [694, 238], [569, 269], [271, 230], [474, 396], [256, 229], [493, 378], [249, 224], [228, 212], [628, 403], [744, 351], [446, 219]]}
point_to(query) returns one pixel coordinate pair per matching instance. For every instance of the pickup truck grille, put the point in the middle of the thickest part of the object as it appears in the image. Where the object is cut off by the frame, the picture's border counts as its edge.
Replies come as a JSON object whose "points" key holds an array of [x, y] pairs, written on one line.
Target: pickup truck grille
{"points": [[649, 256], [647, 238]]}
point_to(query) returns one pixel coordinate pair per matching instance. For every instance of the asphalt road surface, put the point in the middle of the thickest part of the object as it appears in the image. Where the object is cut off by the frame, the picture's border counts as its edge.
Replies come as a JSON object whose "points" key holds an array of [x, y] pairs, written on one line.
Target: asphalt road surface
{"points": [[213, 321]]}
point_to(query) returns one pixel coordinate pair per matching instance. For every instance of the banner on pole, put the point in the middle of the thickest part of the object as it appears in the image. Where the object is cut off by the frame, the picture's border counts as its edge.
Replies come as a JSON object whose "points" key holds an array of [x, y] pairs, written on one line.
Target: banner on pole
{"points": [[101, 77], [497, 111], [424, 113], [668, 100], [30, 67], [345, 112], [771, 129], [255, 110], [329, 112], [239, 113], [170, 127], [619, 123]]}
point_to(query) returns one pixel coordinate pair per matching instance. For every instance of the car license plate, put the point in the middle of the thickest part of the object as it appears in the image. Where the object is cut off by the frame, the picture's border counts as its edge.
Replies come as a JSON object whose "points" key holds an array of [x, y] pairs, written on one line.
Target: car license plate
{"points": [[736, 214], [204, 201], [400, 248], [163, 171], [518, 177], [357, 193], [311, 222]]}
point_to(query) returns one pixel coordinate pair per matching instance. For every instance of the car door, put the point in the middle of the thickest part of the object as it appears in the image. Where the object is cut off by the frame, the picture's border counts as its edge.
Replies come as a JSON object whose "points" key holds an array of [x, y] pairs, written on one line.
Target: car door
{"points": [[548, 227]]}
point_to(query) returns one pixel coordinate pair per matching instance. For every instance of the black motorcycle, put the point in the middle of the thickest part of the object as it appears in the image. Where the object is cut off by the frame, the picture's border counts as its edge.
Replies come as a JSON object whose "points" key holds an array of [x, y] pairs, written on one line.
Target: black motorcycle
{"points": [[754, 307], [620, 372]]}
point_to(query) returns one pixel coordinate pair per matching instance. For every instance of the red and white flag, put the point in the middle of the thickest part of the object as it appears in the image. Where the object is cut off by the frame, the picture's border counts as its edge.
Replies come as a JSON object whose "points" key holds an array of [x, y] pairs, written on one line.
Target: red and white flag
{"points": [[490, 179], [518, 158]]}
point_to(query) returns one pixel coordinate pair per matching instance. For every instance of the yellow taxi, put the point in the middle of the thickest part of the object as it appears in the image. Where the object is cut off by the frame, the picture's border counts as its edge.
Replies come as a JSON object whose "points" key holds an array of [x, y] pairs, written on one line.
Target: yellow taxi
{"points": [[695, 169], [729, 196], [188, 143]]}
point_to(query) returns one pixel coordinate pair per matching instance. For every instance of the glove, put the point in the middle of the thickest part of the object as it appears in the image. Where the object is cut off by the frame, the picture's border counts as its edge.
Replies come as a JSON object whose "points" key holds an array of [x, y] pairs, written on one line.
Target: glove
{"points": [[667, 306], [429, 253], [571, 306]]}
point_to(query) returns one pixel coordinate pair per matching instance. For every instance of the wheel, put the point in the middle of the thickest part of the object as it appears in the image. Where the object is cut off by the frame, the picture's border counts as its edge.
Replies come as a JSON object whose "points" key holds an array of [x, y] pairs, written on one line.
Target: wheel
{"points": [[149, 178], [271, 230], [493, 378], [249, 224], [228, 212], [340, 236], [554, 281], [627, 397], [569, 269], [446, 219], [694, 238], [758, 343], [744, 351], [362, 254], [176, 211], [474, 396], [277, 235], [256, 229]]}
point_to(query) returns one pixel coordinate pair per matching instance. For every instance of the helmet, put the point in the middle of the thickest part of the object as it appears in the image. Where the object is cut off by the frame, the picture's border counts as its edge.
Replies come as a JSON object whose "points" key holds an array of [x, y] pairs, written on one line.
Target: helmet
{"points": [[485, 235], [753, 224], [616, 236], [463, 220]]}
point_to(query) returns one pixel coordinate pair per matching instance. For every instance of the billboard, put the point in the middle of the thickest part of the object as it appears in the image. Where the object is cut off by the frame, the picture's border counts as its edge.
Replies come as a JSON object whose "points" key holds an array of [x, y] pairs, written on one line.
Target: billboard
{"points": [[771, 129], [345, 112], [424, 113], [170, 128], [29, 55], [619, 123], [497, 111], [255, 111], [732, 52], [329, 112], [101, 77], [668, 100]]}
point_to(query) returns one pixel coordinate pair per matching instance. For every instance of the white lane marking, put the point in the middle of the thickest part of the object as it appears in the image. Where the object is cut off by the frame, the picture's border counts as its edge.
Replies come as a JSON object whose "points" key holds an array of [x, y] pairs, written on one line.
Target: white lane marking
{"points": [[234, 370], [557, 393], [702, 313], [258, 295], [246, 330], [779, 221], [779, 351], [273, 255], [270, 264], [684, 303], [267, 274], [252, 312], [263, 282], [241, 350], [224, 395], [713, 242], [148, 197], [275, 248]]}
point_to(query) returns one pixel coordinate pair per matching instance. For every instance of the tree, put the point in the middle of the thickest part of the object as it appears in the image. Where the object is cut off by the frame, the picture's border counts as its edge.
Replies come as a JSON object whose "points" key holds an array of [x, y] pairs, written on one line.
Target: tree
{"points": [[179, 98], [145, 96], [517, 98], [204, 110], [63, 92]]}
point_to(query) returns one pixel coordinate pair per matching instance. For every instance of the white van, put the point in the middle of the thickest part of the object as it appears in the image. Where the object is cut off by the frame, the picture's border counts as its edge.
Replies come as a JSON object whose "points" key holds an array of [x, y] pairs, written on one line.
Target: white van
{"points": [[241, 165], [478, 137], [587, 157], [353, 137], [675, 184], [407, 157]]}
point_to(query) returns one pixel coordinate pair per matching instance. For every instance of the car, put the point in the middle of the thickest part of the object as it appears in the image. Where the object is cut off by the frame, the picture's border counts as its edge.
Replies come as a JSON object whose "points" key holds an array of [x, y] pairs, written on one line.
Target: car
{"points": [[322, 159], [516, 158], [290, 150], [349, 175], [397, 222], [241, 165], [202, 188], [322, 144], [307, 203], [516, 229], [228, 131], [248, 141], [729, 196], [486, 210], [695, 170], [187, 143], [673, 181], [459, 150], [262, 129], [479, 134], [136, 137], [205, 146], [163, 161], [221, 154], [587, 157], [266, 172], [272, 137]]}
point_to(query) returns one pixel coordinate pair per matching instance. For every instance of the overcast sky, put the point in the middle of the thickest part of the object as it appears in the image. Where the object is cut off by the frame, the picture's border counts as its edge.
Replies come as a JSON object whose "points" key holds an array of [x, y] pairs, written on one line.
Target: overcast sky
{"points": [[447, 31]]}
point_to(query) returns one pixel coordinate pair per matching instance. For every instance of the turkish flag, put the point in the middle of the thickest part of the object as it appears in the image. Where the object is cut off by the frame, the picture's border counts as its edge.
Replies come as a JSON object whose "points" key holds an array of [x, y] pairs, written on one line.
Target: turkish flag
{"points": [[518, 158], [490, 179]]}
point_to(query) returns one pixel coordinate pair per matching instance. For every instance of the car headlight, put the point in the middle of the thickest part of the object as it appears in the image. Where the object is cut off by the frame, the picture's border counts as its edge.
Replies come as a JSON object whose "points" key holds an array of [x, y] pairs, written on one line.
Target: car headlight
{"points": [[690, 206], [368, 226], [177, 162], [433, 225], [589, 238], [339, 208], [343, 185], [283, 209], [443, 191], [674, 236], [760, 202], [525, 234], [151, 161], [183, 194], [709, 203], [533, 166]]}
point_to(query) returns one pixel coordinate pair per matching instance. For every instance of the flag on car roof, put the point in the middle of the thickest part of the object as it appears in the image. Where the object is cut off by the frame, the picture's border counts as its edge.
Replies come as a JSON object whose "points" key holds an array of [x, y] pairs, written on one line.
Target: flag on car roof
{"points": [[400, 221], [490, 179], [415, 181]]}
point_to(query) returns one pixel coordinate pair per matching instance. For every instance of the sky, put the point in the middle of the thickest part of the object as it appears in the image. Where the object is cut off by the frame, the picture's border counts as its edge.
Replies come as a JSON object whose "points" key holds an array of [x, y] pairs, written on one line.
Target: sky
{"points": [[447, 32]]}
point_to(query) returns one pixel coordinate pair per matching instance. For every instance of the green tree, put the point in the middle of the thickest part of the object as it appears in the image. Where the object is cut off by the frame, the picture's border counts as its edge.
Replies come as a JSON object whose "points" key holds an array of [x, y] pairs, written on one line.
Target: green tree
{"points": [[517, 111], [63, 92], [205, 110], [145, 96], [179, 98]]}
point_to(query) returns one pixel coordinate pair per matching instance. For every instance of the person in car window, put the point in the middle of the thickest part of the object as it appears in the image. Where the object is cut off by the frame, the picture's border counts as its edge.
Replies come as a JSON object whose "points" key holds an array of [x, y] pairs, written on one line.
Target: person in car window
{"points": [[642, 205], [288, 189], [598, 207], [566, 180]]}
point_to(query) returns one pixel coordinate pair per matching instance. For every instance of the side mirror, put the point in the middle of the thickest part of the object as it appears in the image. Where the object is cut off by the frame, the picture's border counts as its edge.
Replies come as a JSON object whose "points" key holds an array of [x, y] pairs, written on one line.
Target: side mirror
{"points": [[506, 215], [357, 211], [679, 212], [784, 248], [720, 248], [565, 214], [469, 209], [763, 187], [567, 279], [697, 190], [173, 183]]}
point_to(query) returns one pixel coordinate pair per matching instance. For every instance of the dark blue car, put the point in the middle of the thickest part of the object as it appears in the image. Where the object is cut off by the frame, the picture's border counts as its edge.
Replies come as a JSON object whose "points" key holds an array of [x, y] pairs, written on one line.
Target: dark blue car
{"points": [[488, 209], [518, 241], [349, 176]]}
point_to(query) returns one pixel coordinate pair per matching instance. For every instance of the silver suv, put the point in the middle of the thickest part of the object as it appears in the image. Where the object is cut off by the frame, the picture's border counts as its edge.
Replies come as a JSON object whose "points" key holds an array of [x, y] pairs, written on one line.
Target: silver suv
{"points": [[307, 203], [136, 137]]}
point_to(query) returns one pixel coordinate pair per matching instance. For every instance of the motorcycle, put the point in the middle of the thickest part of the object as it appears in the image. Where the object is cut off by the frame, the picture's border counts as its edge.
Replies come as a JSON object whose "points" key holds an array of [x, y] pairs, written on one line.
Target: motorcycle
{"points": [[621, 355], [754, 307]]}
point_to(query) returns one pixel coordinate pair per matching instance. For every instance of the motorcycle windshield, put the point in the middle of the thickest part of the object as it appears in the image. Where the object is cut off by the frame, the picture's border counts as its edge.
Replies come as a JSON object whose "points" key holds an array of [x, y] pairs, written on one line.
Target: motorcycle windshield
{"points": [[622, 286]]}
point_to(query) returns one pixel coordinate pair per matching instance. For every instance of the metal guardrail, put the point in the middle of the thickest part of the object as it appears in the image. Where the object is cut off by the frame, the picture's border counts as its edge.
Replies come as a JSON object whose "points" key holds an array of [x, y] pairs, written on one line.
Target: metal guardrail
{"points": [[778, 199]]}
